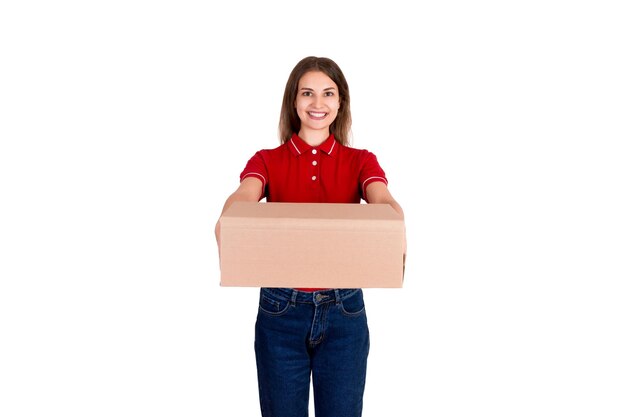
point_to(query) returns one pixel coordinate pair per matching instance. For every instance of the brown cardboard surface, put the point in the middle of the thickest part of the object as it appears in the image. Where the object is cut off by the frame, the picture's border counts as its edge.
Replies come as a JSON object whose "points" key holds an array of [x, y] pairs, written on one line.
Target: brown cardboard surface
{"points": [[311, 245]]}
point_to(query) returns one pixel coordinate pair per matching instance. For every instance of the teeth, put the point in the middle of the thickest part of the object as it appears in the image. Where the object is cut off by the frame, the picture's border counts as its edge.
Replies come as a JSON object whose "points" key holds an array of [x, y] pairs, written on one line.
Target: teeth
{"points": [[317, 114]]}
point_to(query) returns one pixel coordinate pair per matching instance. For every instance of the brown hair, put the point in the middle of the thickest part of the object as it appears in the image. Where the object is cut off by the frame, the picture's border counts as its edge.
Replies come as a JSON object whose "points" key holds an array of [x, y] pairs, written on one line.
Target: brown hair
{"points": [[289, 120]]}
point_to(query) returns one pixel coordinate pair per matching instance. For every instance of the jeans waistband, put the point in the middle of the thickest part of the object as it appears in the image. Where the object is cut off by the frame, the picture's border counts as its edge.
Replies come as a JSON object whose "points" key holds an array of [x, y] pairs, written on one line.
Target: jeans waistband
{"points": [[314, 297]]}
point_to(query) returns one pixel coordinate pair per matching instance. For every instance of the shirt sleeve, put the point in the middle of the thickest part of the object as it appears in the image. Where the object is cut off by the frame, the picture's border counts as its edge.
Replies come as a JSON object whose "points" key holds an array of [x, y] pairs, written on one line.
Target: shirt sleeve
{"points": [[371, 171], [256, 167]]}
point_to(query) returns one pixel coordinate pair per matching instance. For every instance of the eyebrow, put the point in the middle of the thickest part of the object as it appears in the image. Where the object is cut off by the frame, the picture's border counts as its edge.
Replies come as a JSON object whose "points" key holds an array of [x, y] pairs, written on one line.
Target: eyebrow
{"points": [[326, 89]]}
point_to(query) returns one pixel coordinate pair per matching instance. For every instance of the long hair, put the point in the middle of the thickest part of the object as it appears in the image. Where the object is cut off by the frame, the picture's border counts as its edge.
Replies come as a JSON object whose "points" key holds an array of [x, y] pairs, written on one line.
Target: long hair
{"points": [[289, 120]]}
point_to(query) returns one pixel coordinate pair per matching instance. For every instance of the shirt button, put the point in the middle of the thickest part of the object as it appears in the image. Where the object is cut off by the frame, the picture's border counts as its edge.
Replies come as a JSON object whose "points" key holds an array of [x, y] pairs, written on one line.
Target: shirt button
{"points": [[314, 151], [313, 177], [314, 163]]}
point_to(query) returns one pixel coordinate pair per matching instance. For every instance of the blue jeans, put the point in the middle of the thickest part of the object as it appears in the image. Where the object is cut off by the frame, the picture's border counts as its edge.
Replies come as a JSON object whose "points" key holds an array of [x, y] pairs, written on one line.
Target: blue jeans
{"points": [[321, 333]]}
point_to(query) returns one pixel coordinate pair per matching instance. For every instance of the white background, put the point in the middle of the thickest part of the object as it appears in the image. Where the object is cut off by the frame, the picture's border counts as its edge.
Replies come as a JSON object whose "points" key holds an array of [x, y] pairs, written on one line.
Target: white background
{"points": [[124, 126]]}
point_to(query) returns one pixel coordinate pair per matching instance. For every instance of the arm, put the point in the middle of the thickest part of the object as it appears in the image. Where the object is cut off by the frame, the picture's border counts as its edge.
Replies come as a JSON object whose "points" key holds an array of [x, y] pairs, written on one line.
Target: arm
{"points": [[250, 189], [378, 193]]}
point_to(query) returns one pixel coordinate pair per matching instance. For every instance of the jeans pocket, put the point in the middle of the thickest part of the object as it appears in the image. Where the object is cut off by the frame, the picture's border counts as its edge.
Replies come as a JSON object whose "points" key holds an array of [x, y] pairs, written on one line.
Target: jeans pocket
{"points": [[354, 305], [272, 305]]}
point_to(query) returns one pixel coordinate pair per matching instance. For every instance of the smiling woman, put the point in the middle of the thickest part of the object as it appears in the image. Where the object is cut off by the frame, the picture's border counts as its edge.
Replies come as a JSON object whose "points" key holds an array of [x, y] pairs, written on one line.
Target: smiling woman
{"points": [[318, 332]]}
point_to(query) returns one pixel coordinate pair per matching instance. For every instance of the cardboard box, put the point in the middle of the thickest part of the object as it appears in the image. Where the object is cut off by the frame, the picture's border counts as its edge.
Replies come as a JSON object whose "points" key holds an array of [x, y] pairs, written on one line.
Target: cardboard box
{"points": [[311, 245]]}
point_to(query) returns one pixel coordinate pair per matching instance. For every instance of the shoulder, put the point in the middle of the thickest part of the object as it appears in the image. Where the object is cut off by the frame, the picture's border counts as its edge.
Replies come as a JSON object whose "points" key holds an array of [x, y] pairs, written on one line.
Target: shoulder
{"points": [[362, 154], [280, 148], [271, 152]]}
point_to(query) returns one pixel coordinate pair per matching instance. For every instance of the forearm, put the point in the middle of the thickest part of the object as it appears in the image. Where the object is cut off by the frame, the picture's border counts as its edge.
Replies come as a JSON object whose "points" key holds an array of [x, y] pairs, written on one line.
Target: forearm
{"points": [[249, 189], [234, 197], [394, 204], [377, 193]]}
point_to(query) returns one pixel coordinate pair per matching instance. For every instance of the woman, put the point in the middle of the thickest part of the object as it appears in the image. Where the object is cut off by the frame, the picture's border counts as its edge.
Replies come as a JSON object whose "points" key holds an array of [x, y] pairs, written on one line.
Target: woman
{"points": [[316, 332]]}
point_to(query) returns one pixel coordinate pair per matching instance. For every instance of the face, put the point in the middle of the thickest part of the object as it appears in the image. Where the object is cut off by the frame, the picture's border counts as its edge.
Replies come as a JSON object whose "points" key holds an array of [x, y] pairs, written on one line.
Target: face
{"points": [[317, 103]]}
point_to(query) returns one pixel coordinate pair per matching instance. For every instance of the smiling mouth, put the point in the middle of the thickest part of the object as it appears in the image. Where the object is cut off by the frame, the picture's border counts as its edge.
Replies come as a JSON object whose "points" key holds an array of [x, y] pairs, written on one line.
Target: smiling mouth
{"points": [[316, 115]]}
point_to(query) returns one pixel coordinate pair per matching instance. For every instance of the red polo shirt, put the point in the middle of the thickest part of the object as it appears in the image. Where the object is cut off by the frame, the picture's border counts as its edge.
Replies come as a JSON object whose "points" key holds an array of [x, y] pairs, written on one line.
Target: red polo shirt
{"points": [[296, 172]]}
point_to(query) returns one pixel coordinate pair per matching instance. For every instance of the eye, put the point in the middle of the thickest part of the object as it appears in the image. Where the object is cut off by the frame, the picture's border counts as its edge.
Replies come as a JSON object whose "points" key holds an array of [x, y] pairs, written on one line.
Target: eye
{"points": [[307, 93], [329, 94]]}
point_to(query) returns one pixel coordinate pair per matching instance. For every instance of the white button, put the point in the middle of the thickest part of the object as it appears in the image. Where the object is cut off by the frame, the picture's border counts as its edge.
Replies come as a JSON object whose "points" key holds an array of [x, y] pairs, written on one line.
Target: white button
{"points": [[314, 151], [314, 163], [313, 177]]}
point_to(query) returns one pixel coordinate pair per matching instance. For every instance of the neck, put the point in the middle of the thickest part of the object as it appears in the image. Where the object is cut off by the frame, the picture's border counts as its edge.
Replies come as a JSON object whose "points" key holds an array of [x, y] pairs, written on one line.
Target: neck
{"points": [[314, 137]]}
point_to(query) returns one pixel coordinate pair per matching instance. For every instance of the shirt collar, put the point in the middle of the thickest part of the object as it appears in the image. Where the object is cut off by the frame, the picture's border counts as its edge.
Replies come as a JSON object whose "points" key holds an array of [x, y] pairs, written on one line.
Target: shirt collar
{"points": [[298, 146]]}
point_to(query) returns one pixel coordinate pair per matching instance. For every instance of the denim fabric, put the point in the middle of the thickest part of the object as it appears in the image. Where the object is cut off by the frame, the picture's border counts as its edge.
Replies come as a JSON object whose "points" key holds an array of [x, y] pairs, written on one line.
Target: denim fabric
{"points": [[323, 334]]}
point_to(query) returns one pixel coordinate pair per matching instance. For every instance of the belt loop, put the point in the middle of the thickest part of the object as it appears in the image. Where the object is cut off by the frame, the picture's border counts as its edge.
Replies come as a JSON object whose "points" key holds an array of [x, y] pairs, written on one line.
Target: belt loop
{"points": [[337, 297], [294, 295]]}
